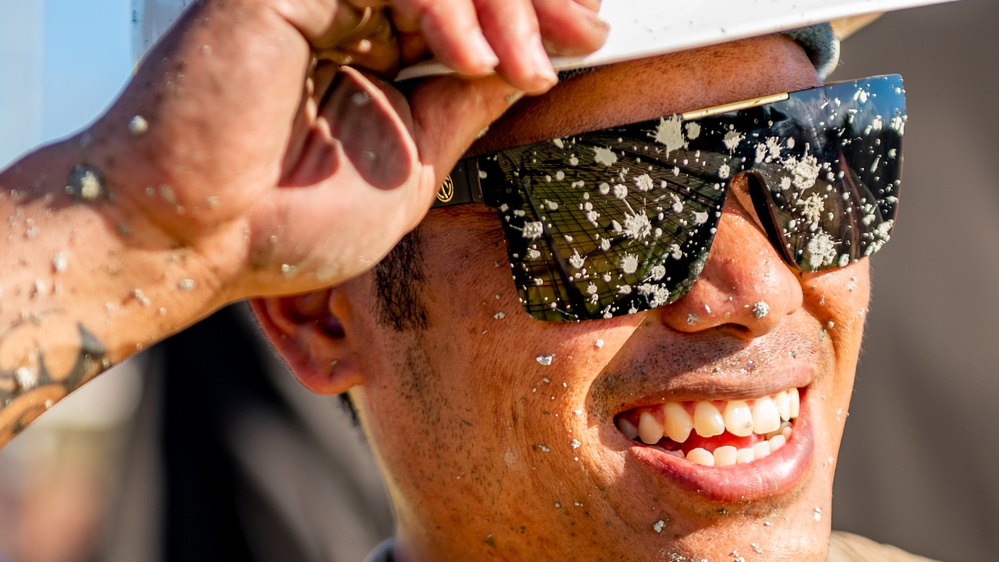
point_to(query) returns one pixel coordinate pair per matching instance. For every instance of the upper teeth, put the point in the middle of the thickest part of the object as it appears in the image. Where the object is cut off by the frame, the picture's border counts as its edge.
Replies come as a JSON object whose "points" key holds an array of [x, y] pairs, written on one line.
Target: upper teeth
{"points": [[739, 417]]}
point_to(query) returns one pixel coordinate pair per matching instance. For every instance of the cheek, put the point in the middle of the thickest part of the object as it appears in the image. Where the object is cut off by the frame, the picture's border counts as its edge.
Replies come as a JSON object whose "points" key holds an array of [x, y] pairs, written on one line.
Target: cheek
{"points": [[838, 300]]}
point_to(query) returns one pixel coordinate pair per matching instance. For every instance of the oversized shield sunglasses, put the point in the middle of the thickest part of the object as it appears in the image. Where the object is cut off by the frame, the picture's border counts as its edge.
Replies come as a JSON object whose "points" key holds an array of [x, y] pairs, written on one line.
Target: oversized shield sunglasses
{"points": [[621, 220]]}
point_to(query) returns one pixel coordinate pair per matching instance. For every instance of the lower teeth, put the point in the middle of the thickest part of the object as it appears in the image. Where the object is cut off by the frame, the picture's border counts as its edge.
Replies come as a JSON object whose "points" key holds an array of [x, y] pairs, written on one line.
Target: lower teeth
{"points": [[728, 455]]}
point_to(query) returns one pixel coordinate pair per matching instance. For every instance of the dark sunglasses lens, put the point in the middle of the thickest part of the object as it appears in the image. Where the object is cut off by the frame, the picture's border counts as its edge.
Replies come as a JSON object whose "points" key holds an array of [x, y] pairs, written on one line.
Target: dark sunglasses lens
{"points": [[833, 191], [619, 221], [601, 227]]}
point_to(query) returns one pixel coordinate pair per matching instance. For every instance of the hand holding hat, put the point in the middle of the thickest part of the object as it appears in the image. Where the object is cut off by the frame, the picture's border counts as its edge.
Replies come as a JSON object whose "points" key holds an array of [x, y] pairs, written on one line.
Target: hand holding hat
{"points": [[242, 160], [293, 174]]}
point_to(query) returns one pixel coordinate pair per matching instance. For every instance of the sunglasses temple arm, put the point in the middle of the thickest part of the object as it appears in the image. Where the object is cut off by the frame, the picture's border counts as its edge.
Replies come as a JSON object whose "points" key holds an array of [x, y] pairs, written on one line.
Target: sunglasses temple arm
{"points": [[461, 186]]}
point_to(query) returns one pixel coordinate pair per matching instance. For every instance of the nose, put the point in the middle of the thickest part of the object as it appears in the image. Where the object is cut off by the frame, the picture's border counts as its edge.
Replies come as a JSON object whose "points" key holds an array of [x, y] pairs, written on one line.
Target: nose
{"points": [[745, 288]]}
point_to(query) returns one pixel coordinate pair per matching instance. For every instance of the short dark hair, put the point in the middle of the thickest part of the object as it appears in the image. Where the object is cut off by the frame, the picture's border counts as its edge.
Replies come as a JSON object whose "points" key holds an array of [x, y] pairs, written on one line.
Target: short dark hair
{"points": [[398, 303], [399, 279]]}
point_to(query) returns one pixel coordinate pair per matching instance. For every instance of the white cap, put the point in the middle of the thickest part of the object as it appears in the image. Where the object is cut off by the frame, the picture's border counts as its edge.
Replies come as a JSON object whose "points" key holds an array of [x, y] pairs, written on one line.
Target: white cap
{"points": [[645, 28], [638, 28]]}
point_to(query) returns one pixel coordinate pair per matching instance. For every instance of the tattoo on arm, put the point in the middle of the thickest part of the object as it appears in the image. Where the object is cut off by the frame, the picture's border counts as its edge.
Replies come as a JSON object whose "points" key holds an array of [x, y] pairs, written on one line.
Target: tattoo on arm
{"points": [[27, 392]]}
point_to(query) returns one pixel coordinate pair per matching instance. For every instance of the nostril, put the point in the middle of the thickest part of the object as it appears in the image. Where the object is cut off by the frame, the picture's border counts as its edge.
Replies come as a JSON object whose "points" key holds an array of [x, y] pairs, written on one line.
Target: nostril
{"points": [[737, 329]]}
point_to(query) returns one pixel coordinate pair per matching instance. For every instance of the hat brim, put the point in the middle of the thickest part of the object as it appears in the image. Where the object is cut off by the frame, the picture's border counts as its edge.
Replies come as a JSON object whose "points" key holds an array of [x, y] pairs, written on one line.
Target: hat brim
{"points": [[646, 28]]}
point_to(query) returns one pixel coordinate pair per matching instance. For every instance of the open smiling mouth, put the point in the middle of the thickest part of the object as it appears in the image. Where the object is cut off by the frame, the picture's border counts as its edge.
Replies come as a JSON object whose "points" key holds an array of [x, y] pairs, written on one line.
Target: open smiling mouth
{"points": [[715, 432]]}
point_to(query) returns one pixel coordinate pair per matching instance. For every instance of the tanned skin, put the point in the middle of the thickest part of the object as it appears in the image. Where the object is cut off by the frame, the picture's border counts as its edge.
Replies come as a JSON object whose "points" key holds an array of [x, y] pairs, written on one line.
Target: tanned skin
{"points": [[242, 160]]}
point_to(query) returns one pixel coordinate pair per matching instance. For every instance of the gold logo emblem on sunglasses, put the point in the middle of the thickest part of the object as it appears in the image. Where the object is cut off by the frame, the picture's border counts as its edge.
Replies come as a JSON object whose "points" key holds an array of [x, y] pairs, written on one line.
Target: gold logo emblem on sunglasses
{"points": [[446, 191]]}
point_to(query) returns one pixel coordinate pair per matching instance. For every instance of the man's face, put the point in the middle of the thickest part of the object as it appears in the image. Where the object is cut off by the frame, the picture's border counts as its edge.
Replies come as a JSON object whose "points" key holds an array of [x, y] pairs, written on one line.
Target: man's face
{"points": [[502, 435]]}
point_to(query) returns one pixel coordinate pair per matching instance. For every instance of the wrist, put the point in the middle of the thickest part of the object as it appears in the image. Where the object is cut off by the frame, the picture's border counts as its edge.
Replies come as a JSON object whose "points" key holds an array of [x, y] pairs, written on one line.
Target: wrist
{"points": [[88, 260]]}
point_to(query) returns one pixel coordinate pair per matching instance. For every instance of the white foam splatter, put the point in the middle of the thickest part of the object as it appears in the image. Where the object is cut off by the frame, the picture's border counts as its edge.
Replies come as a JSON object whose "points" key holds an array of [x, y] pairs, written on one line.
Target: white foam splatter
{"points": [[138, 126], [657, 295], [26, 378], [604, 156], [812, 208], [669, 134], [644, 183], [805, 170], [732, 140], [629, 264], [86, 184], [59, 262], [637, 226], [821, 249], [533, 230], [761, 309]]}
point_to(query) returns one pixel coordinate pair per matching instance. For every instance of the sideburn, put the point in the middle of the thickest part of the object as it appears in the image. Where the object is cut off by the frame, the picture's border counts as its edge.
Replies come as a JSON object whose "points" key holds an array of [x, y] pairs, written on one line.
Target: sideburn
{"points": [[399, 280]]}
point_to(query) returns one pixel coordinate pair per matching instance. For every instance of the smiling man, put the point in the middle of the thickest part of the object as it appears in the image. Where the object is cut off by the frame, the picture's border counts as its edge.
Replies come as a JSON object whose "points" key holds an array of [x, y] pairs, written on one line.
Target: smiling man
{"points": [[628, 330], [668, 373]]}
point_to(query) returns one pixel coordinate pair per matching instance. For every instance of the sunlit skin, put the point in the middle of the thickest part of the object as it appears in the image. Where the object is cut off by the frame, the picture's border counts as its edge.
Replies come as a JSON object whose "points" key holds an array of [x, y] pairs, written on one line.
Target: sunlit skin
{"points": [[476, 437]]}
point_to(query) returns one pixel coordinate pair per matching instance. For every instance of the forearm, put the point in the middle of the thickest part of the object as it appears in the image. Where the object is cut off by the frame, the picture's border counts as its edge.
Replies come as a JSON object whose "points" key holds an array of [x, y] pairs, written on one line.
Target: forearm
{"points": [[231, 167], [80, 290], [139, 226]]}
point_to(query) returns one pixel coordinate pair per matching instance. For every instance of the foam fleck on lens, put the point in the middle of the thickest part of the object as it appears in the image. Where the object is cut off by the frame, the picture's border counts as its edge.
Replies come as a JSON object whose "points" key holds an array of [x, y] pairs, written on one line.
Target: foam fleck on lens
{"points": [[621, 220]]}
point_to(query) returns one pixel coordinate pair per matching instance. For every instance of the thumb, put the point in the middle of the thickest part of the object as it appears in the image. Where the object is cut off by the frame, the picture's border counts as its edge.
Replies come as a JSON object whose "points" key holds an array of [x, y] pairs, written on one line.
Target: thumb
{"points": [[449, 113]]}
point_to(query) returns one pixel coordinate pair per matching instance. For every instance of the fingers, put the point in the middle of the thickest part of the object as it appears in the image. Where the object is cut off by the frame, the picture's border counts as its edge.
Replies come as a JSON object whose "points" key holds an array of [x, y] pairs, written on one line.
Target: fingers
{"points": [[452, 32], [591, 5], [351, 195], [475, 37], [449, 113], [570, 27], [513, 29]]}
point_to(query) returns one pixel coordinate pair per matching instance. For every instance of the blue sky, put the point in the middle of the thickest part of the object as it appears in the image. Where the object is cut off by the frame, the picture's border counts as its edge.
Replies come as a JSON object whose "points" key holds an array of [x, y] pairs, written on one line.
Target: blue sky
{"points": [[84, 51]]}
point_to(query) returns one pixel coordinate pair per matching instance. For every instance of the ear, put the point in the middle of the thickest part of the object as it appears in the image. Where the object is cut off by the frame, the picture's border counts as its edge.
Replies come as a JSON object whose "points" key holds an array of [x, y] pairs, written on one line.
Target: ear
{"points": [[309, 335]]}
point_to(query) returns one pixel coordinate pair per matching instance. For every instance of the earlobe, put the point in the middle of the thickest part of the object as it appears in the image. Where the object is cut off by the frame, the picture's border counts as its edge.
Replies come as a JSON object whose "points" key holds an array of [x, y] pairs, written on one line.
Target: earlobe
{"points": [[311, 338]]}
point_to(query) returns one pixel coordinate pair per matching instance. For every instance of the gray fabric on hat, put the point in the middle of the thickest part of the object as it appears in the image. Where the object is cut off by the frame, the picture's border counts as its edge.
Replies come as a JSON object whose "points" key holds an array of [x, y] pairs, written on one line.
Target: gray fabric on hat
{"points": [[821, 45]]}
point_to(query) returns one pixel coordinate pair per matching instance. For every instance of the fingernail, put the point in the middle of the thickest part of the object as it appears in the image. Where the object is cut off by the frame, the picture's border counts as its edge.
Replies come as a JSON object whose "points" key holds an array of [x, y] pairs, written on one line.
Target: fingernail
{"points": [[483, 52], [592, 18], [542, 64]]}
